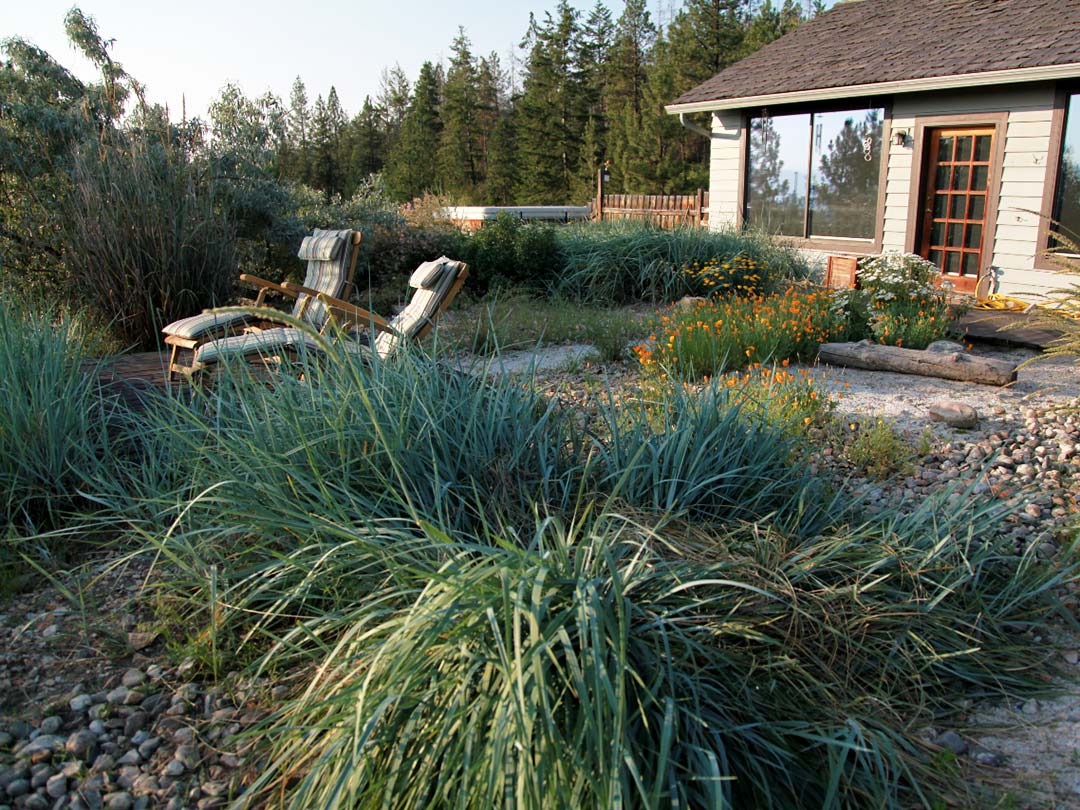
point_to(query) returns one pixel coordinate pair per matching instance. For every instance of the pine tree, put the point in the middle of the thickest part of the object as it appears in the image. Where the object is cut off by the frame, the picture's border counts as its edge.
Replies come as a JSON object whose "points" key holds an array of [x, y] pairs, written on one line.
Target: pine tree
{"points": [[770, 23], [627, 72], [366, 146], [327, 165], [410, 170], [550, 111], [295, 165], [459, 154], [705, 37], [502, 180], [593, 54]]}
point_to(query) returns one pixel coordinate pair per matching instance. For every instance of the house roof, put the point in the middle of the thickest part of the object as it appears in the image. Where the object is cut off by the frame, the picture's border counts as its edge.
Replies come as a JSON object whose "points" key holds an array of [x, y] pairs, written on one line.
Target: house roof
{"points": [[875, 46]]}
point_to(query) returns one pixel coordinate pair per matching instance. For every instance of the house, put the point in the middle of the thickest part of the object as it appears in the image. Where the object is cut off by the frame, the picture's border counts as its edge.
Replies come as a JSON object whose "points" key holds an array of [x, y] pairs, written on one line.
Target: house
{"points": [[938, 127]]}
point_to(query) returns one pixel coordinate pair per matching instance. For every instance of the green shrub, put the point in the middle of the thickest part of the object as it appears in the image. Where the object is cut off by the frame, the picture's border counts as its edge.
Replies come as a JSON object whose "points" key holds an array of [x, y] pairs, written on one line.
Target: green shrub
{"points": [[512, 253], [906, 307], [623, 262], [878, 449], [147, 241]]}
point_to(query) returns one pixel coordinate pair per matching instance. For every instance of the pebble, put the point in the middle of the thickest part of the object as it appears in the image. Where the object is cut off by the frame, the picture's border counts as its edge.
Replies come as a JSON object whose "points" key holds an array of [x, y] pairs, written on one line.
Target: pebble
{"points": [[133, 678]]}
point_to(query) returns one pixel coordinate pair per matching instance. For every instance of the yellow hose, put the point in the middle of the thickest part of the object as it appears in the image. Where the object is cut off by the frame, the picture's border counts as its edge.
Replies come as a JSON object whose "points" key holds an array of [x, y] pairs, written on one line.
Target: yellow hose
{"points": [[1003, 303]]}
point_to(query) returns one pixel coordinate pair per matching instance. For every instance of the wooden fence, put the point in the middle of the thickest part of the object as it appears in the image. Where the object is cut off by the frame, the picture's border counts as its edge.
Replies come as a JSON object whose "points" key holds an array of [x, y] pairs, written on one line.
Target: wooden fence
{"points": [[664, 210]]}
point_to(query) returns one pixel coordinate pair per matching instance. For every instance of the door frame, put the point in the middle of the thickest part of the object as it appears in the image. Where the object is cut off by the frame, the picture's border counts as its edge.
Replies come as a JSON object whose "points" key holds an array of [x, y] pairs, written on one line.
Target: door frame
{"points": [[920, 179]]}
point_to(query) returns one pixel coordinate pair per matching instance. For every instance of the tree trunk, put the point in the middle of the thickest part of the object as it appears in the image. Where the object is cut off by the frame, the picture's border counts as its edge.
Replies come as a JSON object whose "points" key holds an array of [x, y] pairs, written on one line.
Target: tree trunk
{"points": [[947, 365]]}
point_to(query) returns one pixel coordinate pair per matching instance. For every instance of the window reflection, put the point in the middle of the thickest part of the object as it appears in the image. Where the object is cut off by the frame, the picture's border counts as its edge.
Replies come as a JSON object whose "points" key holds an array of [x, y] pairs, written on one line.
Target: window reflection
{"points": [[776, 193], [839, 198], [1067, 201], [845, 183]]}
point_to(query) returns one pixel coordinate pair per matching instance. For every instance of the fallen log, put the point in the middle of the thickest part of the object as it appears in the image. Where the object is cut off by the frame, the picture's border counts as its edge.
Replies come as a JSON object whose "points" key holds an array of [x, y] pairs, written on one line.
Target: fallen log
{"points": [[947, 365]]}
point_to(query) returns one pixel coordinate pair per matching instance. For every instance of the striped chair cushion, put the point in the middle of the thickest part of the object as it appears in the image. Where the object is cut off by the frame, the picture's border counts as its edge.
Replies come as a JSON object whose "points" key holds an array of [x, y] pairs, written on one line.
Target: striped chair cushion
{"points": [[427, 275], [268, 342], [323, 247], [326, 276], [423, 305], [204, 324]]}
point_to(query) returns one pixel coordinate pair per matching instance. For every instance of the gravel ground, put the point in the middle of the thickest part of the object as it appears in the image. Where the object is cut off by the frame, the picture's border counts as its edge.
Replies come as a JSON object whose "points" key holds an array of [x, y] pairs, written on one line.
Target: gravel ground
{"points": [[96, 712]]}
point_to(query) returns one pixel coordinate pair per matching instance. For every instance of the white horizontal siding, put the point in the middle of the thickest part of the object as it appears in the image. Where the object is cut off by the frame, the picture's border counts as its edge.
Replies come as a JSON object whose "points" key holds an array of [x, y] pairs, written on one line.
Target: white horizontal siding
{"points": [[725, 169]]}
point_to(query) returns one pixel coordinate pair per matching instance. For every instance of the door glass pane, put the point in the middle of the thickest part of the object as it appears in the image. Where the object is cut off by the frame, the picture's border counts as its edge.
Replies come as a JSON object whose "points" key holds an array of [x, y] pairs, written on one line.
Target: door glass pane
{"points": [[959, 203], [937, 233], [1067, 194], [963, 148], [956, 234], [776, 188], [952, 262], [982, 147], [941, 179], [976, 207], [960, 177], [941, 205], [945, 148], [970, 265], [844, 184], [935, 257], [979, 176], [973, 237]]}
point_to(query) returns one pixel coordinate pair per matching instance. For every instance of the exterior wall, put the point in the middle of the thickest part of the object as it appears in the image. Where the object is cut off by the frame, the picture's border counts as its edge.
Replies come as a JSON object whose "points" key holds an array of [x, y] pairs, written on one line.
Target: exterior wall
{"points": [[1028, 112], [1021, 182], [726, 162]]}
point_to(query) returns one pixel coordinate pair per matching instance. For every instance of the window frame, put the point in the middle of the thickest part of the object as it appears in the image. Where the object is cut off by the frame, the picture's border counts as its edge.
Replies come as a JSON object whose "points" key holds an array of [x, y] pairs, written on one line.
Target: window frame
{"points": [[844, 244], [1058, 119]]}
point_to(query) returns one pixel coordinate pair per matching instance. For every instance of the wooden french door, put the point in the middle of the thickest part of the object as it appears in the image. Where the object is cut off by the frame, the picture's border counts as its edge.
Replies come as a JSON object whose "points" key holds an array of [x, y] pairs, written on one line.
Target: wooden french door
{"points": [[955, 209]]}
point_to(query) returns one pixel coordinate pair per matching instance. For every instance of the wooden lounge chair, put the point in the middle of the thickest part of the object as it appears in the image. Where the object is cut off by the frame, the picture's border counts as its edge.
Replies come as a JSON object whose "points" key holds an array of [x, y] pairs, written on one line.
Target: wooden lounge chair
{"points": [[435, 284], [331, 263]]}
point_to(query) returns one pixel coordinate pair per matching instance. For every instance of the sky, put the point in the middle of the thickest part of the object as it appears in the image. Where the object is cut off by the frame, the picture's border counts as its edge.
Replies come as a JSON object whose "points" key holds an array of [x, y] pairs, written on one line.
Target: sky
{"points": [[189, 50]]}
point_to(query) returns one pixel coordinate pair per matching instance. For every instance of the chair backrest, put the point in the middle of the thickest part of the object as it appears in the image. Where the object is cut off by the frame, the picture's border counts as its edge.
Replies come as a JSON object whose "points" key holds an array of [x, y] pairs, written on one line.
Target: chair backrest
{"points": [[331, 262], [435, 285]]}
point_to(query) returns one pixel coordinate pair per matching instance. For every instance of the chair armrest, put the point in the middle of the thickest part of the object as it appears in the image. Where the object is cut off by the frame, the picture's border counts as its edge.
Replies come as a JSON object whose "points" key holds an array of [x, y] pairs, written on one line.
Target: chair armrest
{"points": [[295, 290], [354, 314], [263, 284]]}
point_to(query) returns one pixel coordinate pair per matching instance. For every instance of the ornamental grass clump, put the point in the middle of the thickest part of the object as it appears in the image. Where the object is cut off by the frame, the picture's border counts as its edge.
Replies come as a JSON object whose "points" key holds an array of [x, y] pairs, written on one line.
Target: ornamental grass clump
{"points": [[477, 597], [712, 337], [608, 660], [626, 262], [54, 438]]}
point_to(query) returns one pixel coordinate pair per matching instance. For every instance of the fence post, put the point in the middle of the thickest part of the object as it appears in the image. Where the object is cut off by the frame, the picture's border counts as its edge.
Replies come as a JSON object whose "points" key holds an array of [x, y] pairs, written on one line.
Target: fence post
{"points": [[700, 207], [599, 212]]}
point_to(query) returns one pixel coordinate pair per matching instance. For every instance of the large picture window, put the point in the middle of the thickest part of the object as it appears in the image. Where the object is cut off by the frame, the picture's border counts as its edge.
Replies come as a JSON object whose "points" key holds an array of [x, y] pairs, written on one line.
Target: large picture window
{"points": [[1067, 196], [815, 174]]}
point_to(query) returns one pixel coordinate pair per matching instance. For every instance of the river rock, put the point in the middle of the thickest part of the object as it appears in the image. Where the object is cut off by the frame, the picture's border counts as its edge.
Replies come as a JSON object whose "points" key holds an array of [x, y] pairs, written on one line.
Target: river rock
{"points": [[955, 414]]}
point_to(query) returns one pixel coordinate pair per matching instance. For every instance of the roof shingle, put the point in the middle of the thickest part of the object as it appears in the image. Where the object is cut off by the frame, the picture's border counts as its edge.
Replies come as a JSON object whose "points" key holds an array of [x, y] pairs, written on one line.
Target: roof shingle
{"points": [[872, 41]]}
